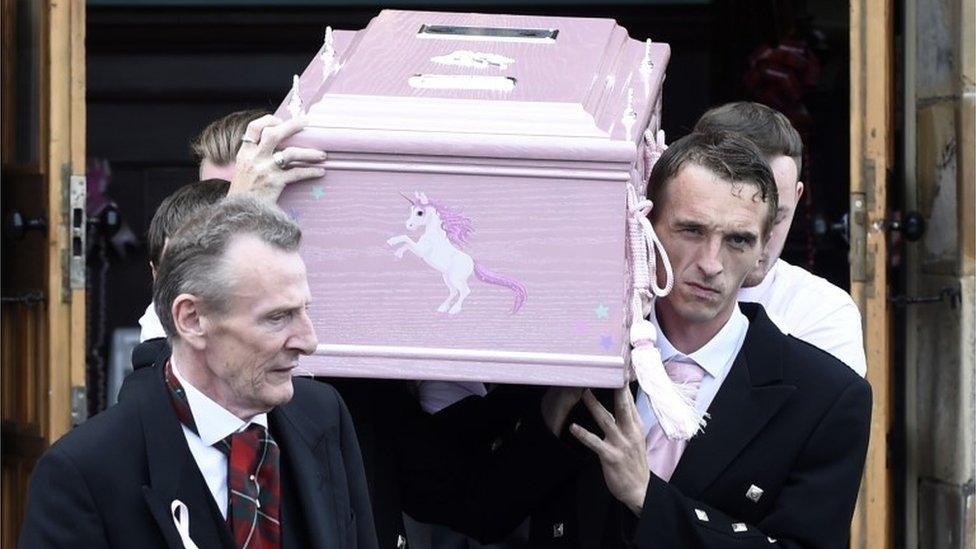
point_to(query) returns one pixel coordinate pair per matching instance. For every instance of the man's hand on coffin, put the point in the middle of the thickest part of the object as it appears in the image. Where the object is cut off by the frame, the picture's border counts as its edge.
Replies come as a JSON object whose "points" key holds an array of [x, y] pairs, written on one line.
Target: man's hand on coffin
{"points": [[621, 451], [264, 171], [557, 403]]}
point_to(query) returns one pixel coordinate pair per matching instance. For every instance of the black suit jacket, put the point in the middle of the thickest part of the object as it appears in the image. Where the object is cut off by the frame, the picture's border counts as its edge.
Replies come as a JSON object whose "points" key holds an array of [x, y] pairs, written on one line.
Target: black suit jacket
{"points": [[149, 352], [110, 481], [376, 407], [789, 419]]}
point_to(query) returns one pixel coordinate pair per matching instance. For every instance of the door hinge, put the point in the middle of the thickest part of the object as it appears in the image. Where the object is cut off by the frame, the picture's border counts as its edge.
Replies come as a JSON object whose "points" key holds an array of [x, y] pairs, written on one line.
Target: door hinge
{"points": [[949, 294], [79, 405]]}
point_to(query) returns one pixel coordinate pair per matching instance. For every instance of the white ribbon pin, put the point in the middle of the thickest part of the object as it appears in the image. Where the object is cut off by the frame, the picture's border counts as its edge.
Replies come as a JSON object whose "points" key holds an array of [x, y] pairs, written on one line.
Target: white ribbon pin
{"points": [[182, 522]]}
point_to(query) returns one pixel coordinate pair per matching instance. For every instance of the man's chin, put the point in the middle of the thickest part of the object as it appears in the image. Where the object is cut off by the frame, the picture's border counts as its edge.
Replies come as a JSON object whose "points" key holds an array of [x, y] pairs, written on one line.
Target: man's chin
{"points": [[280, 393], [756, 276], [696, 313]]}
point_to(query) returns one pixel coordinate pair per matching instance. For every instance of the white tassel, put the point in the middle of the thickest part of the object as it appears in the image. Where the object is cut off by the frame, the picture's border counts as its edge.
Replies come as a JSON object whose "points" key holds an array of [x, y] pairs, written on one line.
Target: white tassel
{"points": [[674, 409]]}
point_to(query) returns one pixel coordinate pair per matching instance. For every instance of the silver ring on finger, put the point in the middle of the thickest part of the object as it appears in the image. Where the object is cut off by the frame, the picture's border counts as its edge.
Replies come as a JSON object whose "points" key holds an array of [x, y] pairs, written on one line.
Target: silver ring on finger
{"points": [[248, 139], [279, 159]]}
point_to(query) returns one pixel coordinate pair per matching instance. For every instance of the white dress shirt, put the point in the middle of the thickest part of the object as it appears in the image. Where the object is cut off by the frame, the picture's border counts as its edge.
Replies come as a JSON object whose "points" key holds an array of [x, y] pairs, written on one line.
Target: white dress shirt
{"points": [[715, 357], [150, 324], [810, 308], [214, 423]]}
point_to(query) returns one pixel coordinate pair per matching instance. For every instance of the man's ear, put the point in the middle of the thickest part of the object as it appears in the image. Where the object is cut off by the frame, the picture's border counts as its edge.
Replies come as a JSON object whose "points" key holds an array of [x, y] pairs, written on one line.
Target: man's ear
{"points": [[799, 191], [189, 321]]}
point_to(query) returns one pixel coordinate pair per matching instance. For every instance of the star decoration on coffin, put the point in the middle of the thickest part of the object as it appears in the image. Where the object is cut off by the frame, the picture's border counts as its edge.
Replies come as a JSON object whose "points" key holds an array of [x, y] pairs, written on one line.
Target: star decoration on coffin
{"points": [[606, 341], [317, 192], [294, 215], [602, 311]]}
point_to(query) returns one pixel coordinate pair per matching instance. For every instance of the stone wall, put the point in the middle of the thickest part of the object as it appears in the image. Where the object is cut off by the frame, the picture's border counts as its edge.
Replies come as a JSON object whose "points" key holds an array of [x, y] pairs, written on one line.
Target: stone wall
{"points": [[942, 337]]}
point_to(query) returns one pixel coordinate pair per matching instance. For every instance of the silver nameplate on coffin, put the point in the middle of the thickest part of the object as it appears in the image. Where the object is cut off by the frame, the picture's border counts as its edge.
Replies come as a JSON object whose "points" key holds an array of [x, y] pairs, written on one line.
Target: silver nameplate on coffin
{"points": [[488, 33], [461, 82]]}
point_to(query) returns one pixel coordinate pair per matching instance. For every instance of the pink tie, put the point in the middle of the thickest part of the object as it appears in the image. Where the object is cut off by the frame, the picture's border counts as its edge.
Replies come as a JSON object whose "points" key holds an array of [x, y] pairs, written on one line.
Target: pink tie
{"points": [[663, 453]]}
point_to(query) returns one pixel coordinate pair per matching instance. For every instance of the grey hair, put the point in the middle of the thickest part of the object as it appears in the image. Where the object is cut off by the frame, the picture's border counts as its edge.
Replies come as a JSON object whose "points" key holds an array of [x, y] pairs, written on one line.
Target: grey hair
{"points": [[194, 263]]}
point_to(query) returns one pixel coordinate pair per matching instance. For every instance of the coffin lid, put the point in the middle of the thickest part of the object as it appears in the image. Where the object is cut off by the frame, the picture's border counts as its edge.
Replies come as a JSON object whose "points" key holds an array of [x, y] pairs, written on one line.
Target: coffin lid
{"points": [[568, 96]]}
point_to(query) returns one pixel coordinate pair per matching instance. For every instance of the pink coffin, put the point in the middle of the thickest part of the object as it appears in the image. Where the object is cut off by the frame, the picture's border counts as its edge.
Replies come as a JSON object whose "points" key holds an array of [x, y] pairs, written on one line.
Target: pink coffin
{"points": [[525, 132]]}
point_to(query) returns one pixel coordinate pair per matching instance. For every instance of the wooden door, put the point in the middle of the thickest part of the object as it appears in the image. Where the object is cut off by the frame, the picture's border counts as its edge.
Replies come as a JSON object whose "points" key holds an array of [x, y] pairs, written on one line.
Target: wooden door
{"points": [[42, 362], [872, 105]]}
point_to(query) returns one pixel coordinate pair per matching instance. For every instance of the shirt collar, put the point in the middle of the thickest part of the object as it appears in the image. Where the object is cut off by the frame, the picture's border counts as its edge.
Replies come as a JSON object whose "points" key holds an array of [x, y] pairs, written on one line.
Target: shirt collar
{"points": [[214, 422], [753, 294], [150, 324], [716, 356]]}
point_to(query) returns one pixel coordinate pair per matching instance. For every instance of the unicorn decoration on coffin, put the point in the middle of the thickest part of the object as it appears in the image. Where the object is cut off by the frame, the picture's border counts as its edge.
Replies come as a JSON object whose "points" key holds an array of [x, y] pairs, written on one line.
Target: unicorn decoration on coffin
{"points": [[446, 232]]}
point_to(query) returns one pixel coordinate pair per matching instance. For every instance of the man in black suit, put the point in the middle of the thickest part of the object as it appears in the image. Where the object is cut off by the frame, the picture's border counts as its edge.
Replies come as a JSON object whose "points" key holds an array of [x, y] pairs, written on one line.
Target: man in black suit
{"points": [[780, 460], [218, 445]]}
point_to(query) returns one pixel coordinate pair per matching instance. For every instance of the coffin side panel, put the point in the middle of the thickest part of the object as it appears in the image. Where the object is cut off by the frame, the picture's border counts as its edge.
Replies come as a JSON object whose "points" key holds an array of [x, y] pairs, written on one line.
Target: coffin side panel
{"points": [[560, 239]]}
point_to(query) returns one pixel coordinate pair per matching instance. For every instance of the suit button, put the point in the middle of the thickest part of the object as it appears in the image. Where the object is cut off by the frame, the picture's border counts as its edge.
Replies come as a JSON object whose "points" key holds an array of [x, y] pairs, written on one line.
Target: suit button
{"points": [[401, 542], [557, 530]]}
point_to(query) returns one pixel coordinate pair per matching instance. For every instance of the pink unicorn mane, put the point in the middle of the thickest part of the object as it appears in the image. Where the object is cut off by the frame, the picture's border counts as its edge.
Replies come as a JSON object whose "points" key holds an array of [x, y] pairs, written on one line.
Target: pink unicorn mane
{"points": [[457, 226]]}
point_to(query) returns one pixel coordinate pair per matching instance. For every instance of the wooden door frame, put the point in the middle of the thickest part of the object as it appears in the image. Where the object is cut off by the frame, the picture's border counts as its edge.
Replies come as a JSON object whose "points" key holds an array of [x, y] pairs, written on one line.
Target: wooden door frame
{"points": [[63, 147], [871, 155]]}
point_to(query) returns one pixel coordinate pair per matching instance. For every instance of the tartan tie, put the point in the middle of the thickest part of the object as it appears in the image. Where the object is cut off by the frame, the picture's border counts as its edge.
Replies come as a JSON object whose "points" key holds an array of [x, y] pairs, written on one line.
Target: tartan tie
{"points": [[662, 452], [253, 479], [254, 488]]}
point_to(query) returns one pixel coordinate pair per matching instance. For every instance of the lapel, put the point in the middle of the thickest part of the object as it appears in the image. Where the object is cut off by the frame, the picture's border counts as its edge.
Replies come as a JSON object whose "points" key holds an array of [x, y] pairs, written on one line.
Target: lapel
{"points": [[172, 472], [299, 439], [750, 396]]}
